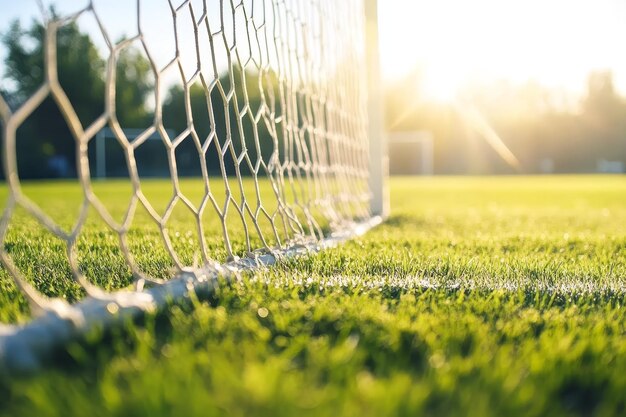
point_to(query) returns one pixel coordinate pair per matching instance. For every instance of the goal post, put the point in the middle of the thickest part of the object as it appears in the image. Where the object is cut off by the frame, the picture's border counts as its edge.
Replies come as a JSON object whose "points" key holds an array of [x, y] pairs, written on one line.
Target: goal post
{"points": [[379, 159], [412, 152], [274, 106], [99, 166]]}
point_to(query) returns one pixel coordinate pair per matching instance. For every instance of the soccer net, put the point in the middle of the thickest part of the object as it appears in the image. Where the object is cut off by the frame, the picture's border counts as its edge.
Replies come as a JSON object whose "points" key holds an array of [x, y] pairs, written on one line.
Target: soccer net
{"points": [[264, 103]]}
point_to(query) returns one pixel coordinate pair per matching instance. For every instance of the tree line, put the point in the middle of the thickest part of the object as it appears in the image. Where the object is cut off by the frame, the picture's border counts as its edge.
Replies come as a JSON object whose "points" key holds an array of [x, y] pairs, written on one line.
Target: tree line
{"points": [[547, 132], [45, 147], [545, 136]]}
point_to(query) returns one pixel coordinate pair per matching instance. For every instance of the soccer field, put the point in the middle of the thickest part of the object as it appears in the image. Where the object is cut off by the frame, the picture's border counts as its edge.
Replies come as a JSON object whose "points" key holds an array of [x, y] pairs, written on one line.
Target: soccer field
{"points": [[479, 296]]}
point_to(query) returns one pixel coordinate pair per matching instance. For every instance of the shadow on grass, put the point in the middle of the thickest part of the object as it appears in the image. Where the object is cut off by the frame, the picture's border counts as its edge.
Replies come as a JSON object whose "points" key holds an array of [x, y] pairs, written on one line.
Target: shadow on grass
{"points": [[403, 221]]}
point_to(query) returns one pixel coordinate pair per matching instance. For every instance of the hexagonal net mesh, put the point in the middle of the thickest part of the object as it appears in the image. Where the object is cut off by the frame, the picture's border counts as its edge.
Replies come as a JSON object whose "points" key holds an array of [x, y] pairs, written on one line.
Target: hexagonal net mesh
{"points": [[256, 117]]}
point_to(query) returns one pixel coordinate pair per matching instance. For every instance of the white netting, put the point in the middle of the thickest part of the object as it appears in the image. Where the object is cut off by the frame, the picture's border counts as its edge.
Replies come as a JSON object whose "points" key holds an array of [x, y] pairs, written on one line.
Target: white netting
{"points": [[284, 168]]}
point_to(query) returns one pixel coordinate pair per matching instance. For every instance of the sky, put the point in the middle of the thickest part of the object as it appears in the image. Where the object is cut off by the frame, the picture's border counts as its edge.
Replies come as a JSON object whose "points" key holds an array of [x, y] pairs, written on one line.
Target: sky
{"points": [[553, 42], [119, 17]]}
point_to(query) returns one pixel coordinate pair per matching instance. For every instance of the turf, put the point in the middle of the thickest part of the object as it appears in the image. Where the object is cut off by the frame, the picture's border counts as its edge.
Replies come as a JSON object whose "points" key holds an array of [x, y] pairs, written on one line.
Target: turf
{"points": [[478, 297]]}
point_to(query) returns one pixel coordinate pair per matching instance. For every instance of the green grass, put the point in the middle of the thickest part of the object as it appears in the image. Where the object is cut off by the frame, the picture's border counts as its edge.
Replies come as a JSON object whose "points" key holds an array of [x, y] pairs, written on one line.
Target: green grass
{"points": [[478, 297]]}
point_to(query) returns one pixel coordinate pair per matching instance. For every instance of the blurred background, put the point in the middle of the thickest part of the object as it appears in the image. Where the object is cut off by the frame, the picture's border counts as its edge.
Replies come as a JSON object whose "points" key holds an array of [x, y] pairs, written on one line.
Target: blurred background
{"points": [[506, 86], [471, 87]]}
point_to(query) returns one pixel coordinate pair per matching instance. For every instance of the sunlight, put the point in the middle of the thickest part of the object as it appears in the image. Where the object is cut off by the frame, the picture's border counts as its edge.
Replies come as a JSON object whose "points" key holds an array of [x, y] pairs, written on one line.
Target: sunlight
{"points": [[442, 83], [456, 42]]}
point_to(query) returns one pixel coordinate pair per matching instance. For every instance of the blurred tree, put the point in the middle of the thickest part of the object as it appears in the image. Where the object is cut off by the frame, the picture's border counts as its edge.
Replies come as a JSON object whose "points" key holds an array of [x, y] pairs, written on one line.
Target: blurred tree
{"points": [[134, 81], [175, 118], [603, 108], [601, 95], [45, 134], [604, 119], [45, 146]]}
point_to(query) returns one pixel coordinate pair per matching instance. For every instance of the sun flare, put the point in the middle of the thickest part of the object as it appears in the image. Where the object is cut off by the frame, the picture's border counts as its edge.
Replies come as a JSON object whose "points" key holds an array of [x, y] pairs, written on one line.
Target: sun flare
{"points": [[455, 43]]}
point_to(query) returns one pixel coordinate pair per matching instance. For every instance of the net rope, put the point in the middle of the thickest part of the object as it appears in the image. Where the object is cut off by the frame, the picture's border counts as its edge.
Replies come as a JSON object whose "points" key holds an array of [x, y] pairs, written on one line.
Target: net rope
{"points": [[305, 61]]}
